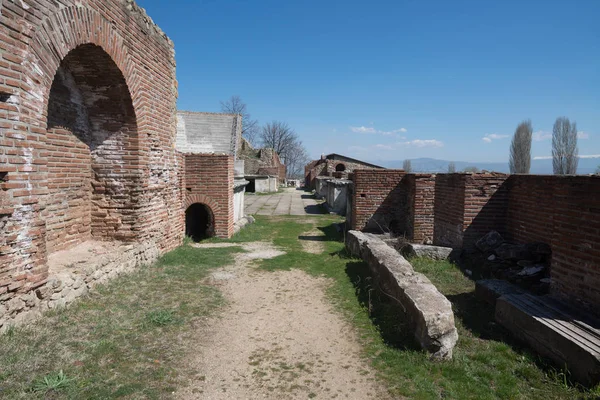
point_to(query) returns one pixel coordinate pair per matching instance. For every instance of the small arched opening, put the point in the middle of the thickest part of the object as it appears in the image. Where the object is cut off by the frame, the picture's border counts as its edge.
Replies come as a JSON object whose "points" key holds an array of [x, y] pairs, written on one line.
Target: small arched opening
{"points": [[199, 222], [340, 168], [92, 151]]}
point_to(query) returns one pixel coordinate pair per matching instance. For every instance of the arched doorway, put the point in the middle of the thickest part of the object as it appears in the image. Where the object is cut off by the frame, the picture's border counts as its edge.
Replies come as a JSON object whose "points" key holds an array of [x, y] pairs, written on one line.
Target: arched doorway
{"points": [[340, 168], [199, 222], [92, 151]]}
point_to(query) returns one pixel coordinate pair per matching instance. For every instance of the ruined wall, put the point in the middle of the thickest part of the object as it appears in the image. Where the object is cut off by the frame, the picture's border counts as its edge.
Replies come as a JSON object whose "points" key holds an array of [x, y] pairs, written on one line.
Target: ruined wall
{"points": [[327, 167], [379, 199], [96, 78], [262, 162], [420, 207], [486, 205], [563, 211], [209, 180], [449, 209]]}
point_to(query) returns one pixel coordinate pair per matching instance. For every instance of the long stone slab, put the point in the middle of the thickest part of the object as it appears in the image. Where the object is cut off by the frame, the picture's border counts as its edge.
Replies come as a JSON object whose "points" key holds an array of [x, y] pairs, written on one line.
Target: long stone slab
{"points": [[555, 331], [429, 312]]}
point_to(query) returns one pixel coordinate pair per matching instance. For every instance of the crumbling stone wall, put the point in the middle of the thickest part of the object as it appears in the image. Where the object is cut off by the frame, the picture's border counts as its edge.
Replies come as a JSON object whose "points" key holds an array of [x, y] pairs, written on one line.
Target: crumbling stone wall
{"points": [[261, 162], [87, 130], [340, 169], [209, 180]]}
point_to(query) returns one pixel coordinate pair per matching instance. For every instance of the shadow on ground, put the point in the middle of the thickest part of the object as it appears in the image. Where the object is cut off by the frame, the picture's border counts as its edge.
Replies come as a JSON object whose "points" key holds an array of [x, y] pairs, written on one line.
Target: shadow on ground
{"points": [[314, 209]]}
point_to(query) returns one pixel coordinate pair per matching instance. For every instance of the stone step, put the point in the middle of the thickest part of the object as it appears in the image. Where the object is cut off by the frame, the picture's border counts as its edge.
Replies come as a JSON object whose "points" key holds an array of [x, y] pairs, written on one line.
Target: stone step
{"points": [[555, 330]]}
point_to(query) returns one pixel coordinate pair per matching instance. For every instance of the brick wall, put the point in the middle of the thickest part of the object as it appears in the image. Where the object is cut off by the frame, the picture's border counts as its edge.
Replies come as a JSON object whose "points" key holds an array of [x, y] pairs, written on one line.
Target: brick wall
{"points": [[449, 209], [563, 211], [421, 204], [209, 181], [87, 131], [458, 209], [486, 205], [379, 199]]}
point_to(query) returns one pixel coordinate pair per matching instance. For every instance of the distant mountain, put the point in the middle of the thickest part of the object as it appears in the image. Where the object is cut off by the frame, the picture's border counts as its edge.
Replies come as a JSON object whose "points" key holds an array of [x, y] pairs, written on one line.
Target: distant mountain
{"points": [[586, 165]]}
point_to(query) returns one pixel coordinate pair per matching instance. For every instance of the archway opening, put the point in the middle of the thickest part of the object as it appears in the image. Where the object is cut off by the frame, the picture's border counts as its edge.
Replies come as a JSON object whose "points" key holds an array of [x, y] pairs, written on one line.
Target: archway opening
{"points": [[340, 168], [92, 151], [251, 187], [199, 222]]}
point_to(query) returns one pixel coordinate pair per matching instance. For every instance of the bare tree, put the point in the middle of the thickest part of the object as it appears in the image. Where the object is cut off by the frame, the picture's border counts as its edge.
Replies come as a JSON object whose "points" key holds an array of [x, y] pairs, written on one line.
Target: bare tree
{"points": [[284, 140], [520, 149], [250, 127], [407, 166], [451, 167], [471, 169], [295, 163], [565, 154]]}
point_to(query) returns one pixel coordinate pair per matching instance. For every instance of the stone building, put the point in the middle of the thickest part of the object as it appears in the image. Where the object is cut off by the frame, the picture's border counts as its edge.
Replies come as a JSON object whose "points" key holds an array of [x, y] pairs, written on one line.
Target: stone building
{"points": [[262, 168], [333, 166], [88, 167]]}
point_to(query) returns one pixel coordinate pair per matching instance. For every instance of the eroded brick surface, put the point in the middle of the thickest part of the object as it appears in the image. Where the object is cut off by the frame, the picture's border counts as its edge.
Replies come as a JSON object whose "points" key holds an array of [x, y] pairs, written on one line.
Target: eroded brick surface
{"points": [[87, 130]]}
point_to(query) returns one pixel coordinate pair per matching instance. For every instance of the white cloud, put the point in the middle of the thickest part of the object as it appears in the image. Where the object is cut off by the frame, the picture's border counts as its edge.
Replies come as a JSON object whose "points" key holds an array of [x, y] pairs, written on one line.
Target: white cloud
{"points": [[371, 130], [590, 156], [383, 147], [362, 129], [493, 136], [541, 135], [583, 156], [423, 143]]}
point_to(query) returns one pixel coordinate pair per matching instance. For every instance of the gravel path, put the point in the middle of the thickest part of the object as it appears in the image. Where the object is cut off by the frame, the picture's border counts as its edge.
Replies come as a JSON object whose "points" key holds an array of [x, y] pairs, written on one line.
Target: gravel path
{"points": [[279, 338]]}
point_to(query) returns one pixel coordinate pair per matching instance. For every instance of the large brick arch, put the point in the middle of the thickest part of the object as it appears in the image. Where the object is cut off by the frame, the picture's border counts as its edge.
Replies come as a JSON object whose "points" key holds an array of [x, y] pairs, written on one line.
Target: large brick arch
{"points": [[66, 30]]}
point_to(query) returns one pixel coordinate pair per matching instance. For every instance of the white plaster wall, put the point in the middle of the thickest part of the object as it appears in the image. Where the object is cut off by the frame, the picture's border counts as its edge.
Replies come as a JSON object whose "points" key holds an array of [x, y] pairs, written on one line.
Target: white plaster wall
{"points": [[238, 204], [261, 185], [208, 133]]}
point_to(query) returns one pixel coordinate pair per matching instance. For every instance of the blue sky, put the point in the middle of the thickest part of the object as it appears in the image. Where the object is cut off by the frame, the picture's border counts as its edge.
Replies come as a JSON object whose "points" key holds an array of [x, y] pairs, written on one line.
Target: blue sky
{"points": [[389, 80]]}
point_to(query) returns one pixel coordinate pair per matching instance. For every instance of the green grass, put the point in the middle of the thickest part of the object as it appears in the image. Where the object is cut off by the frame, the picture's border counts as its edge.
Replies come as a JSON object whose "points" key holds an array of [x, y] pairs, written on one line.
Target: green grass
{"points": [[487, 364], [128, 339]]}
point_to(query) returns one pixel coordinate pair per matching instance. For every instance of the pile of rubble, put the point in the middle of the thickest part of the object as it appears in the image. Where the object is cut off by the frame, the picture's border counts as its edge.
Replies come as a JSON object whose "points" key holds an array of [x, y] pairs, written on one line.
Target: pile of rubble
{"points": [[527, 265]]}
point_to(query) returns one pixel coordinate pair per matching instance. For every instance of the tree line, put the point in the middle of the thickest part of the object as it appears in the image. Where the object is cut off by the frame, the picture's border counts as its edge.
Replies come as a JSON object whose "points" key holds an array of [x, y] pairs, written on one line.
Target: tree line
{"points": [[277, 135], [565, 153]]}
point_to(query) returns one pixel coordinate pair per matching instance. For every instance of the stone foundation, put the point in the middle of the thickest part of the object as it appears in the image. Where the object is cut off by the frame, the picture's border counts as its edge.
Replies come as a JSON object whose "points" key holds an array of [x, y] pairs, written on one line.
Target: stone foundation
{"points": [[73, 279]]}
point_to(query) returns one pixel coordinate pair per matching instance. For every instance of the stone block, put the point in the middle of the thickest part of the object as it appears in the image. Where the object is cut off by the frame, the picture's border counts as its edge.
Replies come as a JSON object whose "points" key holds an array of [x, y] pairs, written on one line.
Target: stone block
{"points": [[429, 313], [422, 250]]}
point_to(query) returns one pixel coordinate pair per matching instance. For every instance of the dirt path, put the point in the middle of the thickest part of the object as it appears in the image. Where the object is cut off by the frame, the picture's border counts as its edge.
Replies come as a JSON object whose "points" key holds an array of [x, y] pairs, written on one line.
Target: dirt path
{"points": [[279, 338]]}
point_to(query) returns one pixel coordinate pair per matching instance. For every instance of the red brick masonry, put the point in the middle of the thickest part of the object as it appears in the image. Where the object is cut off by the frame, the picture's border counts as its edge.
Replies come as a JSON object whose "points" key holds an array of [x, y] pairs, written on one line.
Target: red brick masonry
{"points": [[87, 129], [209, 181], [457, 209]]}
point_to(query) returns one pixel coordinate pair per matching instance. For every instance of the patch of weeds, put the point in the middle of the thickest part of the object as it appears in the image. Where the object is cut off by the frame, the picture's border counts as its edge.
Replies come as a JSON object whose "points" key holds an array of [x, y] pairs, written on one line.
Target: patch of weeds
{"points": [[52, 382], [161, 317]]}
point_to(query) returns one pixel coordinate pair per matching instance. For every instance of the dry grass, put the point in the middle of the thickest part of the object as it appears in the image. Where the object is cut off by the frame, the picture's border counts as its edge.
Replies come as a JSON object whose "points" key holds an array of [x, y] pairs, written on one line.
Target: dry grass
{"points": [[124, 340]]}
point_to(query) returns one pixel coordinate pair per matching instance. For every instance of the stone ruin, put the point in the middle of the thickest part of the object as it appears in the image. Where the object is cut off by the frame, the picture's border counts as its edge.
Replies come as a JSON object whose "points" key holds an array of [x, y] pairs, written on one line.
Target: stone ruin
{"points": [[91, 182]]}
